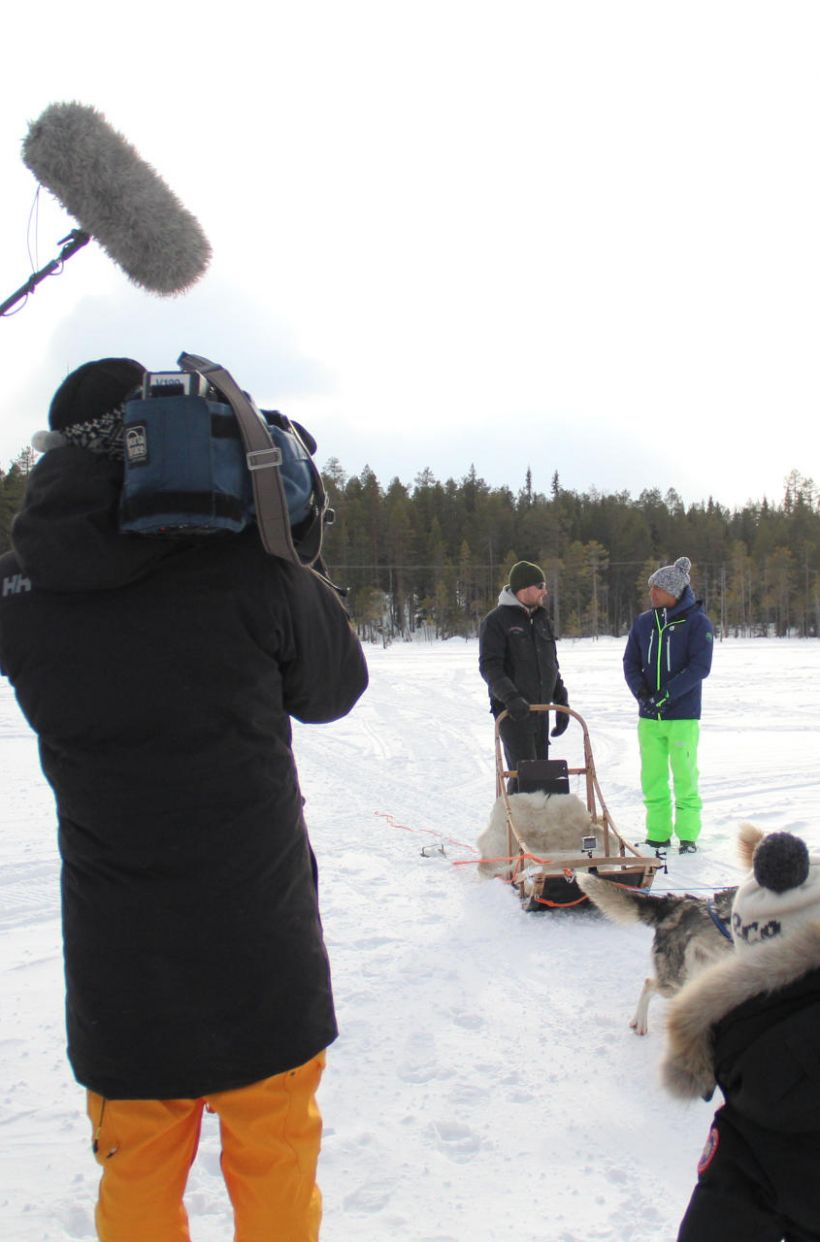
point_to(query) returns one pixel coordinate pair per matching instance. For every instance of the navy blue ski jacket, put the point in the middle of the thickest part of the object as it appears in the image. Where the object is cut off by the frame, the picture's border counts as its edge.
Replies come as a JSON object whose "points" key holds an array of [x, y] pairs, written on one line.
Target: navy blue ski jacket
{"points": [[670, 650]]}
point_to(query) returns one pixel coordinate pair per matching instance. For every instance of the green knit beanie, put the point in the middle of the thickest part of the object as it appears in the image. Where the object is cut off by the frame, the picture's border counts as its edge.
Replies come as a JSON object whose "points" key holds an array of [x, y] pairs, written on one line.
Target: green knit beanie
{"points": [[525, 574]]}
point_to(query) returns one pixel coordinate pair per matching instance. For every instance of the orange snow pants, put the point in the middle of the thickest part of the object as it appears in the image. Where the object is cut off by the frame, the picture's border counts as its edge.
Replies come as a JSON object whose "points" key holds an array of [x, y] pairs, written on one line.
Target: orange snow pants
{"points": [[270, 1133]]}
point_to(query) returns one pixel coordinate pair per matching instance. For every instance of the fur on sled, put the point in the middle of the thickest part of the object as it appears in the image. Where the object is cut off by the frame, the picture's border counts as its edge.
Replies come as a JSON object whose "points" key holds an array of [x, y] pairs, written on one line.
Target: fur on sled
{"points": [[550, 824]]}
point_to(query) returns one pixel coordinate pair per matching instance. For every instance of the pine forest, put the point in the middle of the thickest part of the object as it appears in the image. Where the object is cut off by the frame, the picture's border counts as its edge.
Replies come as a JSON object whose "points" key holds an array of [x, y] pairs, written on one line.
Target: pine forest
{"points": [[430, 558]]}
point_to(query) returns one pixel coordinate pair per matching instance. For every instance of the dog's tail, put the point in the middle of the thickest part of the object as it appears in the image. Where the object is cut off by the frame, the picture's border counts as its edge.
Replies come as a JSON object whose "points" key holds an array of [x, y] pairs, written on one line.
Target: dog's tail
{"points": [[748, 838], [622, 904]]}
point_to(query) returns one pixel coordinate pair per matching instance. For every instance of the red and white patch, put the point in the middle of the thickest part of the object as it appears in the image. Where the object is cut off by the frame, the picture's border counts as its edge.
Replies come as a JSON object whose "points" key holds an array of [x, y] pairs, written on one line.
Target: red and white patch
{"points": [[709, 1151]]}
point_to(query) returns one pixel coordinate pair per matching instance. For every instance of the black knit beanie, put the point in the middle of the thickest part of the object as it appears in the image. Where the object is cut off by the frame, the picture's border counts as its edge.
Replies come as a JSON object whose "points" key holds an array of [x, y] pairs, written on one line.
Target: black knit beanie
{"points": [[86, 410]]}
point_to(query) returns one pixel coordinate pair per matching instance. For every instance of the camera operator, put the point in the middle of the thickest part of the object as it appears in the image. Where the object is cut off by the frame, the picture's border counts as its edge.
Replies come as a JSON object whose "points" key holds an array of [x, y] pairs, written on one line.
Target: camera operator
{"points": [[160, 675]]}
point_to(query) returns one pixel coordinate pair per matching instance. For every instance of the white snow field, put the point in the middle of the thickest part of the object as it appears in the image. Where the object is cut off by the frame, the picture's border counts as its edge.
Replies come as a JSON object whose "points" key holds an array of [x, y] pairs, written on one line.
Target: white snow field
{"points": [[486, 1085]]}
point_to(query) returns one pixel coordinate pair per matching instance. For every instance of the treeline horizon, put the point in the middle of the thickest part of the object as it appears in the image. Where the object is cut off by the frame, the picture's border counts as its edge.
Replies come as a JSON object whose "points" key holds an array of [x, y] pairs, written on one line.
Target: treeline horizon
{"points": [[433, 556]]}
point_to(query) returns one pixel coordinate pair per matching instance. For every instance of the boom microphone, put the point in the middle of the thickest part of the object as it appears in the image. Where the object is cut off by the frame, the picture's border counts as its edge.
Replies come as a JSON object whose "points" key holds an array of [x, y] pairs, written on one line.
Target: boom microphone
{"points": [[119, 199]]}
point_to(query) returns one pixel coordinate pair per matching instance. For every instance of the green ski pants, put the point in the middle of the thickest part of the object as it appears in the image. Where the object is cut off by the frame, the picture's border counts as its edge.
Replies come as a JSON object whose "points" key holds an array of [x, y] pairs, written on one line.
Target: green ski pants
{"points": [[671, 744]]}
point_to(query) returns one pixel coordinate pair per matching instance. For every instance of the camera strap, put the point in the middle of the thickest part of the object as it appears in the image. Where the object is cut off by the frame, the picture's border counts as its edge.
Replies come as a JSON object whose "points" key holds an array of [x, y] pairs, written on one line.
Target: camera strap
{"points": [[262, 455]]}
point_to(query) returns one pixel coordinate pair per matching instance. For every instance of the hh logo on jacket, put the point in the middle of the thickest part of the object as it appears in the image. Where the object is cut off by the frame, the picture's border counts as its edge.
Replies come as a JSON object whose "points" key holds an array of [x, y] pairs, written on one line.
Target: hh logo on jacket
{"points": [[15, 584]]}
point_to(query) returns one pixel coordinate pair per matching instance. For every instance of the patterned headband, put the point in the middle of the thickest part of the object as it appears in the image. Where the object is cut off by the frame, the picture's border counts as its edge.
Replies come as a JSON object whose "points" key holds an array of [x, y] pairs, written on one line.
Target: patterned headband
{"points": [[103, 435]]}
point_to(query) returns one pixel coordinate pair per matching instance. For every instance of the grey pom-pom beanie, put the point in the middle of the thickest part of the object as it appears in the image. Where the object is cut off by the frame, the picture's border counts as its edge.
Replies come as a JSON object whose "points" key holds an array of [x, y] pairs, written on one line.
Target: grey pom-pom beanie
{"points": [[672, 578]]}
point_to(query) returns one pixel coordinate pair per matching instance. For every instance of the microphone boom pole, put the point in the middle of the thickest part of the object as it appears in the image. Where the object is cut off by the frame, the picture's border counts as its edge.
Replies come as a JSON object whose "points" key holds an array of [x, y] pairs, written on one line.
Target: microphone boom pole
{"points": [[75, 240]]}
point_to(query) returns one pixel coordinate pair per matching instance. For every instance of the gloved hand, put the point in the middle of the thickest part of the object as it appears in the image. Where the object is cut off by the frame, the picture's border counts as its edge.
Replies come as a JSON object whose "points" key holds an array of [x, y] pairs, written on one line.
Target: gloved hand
{"points": [[518, 708], [642, 692], [561, 723], [656, 702]]}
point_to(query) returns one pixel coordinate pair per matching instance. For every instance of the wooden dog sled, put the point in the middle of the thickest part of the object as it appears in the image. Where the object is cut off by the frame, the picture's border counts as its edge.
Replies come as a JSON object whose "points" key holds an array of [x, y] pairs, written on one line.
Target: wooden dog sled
{"points": [[549, 883]]}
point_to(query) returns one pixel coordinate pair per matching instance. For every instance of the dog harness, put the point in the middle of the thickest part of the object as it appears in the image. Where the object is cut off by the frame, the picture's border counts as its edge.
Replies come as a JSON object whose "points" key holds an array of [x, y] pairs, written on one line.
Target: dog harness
{"points": [[719, 923]]}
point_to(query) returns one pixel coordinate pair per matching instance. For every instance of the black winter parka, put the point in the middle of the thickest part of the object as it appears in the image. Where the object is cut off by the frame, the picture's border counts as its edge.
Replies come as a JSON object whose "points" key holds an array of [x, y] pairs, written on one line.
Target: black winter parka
{"points": [[751, 1025], [518, 656], [160, 677]]}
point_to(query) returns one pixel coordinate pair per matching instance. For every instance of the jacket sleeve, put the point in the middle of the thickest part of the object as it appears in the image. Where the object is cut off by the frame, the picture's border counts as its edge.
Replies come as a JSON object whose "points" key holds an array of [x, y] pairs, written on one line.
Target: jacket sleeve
{"points": [[633, 664], [492, 651], [9, 566], [327, 672], [699, 663], [771, 1077]]}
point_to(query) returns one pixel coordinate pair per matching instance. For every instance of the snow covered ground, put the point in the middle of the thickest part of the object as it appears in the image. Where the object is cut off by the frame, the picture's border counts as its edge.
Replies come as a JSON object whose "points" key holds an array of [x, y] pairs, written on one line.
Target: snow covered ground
{"points": [[486, 1086]]}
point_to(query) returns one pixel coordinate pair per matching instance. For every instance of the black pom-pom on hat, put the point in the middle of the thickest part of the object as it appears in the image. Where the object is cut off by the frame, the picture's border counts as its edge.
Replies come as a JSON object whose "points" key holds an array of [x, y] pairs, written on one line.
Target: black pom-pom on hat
{"points": [[781, 862]]}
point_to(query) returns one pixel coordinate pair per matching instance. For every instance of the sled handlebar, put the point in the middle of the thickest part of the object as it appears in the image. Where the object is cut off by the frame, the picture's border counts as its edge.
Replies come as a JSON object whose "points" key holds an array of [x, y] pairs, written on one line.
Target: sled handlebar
{"points": [[548, 707]]}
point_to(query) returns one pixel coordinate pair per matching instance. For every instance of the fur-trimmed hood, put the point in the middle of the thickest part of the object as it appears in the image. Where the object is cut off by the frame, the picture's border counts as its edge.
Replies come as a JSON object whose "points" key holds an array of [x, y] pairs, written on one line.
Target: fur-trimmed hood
{"points": [[688, 1069]]}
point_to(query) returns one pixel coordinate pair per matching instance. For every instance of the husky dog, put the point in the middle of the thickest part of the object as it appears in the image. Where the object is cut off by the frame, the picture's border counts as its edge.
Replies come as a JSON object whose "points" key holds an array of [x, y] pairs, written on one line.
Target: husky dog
{"points": [[687, 936], [550, 824]]}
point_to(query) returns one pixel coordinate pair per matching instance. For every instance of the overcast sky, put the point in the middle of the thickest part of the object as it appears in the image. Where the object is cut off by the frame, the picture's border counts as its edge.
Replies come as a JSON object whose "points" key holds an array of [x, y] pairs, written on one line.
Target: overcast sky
{"points": [[579, 236]]}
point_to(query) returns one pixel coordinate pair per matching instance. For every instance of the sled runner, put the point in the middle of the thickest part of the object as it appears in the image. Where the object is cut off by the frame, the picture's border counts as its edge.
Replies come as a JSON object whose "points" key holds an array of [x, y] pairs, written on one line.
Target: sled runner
{"points": [[548, 882]]}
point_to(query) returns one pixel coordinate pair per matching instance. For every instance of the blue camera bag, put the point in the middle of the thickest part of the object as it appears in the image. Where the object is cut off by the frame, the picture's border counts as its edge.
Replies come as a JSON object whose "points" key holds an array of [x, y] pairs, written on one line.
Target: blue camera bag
{"points": [[186, 468]]}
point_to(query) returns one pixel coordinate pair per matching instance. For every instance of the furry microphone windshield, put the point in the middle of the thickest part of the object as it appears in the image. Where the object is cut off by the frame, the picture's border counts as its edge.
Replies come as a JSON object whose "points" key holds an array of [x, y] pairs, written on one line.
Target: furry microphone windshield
{"points": [[119, 199]]}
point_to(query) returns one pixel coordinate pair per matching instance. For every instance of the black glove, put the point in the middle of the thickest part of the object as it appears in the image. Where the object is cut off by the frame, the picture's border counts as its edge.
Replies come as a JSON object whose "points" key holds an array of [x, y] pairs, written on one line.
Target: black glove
{"points": [[518, 708], [561, 723], [656, 702], [642, 692]]}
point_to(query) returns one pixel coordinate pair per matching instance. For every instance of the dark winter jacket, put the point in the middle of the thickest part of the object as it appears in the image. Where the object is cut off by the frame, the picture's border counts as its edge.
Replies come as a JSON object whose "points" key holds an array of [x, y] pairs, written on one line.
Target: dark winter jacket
{"points": [[751, 1025], [160, 677], [517, 655], [670, 650]]}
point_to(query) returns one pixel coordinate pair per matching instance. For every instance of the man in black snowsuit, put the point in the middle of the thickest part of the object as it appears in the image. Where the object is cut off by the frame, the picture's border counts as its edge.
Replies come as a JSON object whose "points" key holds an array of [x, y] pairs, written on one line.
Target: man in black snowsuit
{"points": [[160, 676], [519, 662], [751, 1026]]}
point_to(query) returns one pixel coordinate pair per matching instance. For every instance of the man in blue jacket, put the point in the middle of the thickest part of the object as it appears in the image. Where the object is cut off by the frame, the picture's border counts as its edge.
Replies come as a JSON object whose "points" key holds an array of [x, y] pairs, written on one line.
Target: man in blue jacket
{"points": [[668, 654]]}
